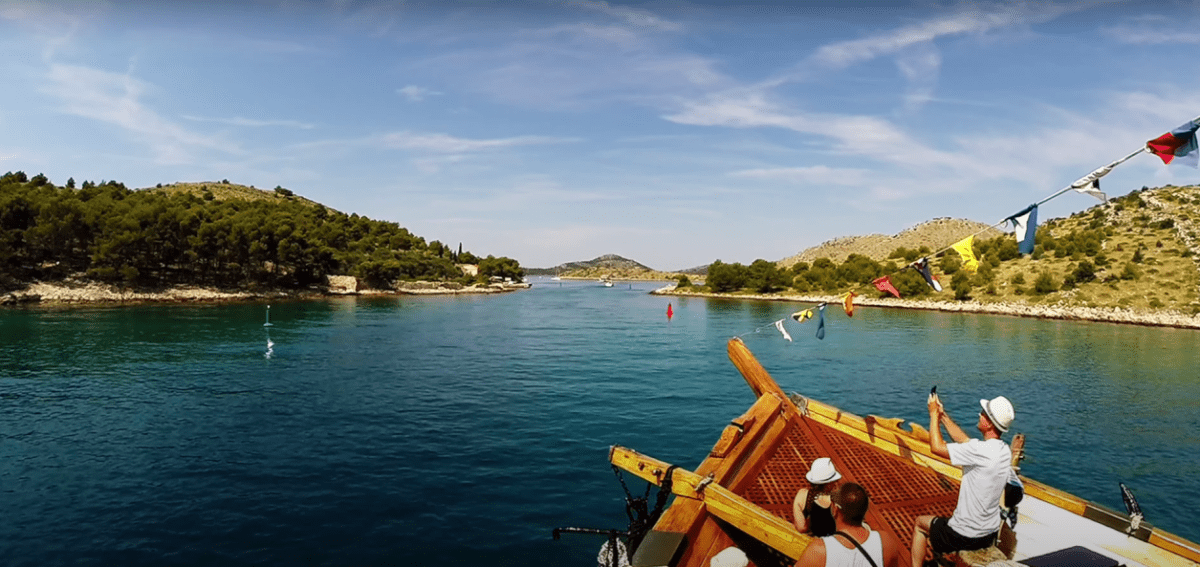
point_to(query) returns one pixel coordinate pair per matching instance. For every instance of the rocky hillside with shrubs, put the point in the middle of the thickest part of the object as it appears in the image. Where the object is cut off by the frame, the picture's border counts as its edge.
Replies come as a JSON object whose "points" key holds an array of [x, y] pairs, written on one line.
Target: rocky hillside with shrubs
{"points": [[1138, 252]]}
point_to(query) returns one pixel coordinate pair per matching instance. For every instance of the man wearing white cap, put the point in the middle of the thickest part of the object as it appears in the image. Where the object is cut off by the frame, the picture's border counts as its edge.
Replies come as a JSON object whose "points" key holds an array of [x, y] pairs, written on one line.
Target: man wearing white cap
{"points": [[987, 467]]}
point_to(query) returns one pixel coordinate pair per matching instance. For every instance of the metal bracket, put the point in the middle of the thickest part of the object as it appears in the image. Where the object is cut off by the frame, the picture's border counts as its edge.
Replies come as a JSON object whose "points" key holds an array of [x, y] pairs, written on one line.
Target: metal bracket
{"points": [[704, 483]]}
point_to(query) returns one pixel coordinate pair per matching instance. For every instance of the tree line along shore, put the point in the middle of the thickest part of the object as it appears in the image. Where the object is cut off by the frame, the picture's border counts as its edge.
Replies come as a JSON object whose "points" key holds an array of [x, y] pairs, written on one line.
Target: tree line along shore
{"points": [[106, 242]]}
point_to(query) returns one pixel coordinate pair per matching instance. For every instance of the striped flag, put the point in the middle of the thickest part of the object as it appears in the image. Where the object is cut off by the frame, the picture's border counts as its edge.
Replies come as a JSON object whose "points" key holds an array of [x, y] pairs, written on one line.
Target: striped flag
{"points": [[1024, 227], [922, 266], [1178, 145]]}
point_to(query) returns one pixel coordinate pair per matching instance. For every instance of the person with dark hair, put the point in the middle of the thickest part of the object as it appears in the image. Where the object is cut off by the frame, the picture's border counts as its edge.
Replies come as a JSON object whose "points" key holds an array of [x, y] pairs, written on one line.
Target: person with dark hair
{"points": [[987, 468], [854, 544], [811, 507]]}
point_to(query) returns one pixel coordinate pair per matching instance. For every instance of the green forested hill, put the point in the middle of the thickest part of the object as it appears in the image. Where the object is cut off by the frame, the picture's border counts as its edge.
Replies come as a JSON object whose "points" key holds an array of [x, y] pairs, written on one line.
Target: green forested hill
{"points": [[207, 233]]}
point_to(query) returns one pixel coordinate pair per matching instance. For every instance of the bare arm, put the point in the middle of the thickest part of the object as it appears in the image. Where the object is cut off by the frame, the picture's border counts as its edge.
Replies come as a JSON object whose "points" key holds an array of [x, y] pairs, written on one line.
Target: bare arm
{"points": [[814, 555], [893, 553], [798, 510], [937, 445], [956, 432]]}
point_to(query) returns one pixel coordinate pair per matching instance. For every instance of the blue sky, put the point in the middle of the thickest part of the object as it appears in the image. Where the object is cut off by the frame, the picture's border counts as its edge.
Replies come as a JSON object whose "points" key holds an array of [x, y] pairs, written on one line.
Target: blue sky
{"points": [[673, 133]]}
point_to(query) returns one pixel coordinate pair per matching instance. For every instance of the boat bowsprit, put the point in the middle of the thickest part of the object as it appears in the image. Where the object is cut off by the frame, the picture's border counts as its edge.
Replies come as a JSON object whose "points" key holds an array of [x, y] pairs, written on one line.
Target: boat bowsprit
{"points": [[741, 495]]}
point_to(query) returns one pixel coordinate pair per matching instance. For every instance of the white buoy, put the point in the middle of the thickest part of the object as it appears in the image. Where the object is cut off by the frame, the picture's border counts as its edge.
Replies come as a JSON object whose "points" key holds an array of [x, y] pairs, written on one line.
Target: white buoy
{"points": [[268, 323]]}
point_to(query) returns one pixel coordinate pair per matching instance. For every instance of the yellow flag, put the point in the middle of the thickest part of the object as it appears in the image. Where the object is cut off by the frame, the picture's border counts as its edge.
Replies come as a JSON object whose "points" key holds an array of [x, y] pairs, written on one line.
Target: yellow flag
{"points": [[964, 249]]}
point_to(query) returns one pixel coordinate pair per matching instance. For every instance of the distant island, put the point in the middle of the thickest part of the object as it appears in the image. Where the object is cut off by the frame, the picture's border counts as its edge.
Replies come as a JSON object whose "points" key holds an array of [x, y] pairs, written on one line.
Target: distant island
{"points": [[612, 267], [213, 240]]}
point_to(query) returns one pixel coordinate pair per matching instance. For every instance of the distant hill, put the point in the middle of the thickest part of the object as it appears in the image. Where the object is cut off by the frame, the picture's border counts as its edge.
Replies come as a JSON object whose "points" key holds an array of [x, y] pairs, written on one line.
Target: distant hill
{"points": [[607, 261], [608, 266], [936, 234]]}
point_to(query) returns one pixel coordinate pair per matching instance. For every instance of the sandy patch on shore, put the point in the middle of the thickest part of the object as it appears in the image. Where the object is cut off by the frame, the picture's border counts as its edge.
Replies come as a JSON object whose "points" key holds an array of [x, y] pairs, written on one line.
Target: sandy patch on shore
{"points": [[1101, 314]]}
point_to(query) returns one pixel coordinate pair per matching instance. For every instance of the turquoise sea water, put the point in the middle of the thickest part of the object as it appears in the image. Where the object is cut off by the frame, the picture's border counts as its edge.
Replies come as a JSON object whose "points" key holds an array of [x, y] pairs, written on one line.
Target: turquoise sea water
{"points": [[462, 430]]}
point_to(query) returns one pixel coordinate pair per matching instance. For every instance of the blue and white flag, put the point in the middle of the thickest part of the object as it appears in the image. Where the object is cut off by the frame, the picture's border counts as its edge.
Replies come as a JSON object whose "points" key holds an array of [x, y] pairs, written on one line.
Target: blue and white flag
{"points": [[1025, 225], [821, 322], [922, 266]]}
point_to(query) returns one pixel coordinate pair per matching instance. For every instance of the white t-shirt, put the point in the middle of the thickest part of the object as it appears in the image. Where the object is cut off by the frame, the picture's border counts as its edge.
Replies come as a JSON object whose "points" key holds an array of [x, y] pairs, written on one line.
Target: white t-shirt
{"points": [[836, 555], [986, 466]]}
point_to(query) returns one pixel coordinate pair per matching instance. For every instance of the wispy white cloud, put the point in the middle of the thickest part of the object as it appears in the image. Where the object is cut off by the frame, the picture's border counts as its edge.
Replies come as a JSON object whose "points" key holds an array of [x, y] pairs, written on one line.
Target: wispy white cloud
{"points": [[868, 136], [636, 17], [55, 14], [416, 94], [1153, 30], [920, 67], [445, 143], [251, 122], [116, 99], [580, 65], [810, 175], [975, 19]]}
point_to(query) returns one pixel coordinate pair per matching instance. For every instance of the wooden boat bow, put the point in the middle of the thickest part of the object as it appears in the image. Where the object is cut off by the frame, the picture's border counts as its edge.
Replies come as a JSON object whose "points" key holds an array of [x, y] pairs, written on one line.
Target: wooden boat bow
{"points": [[741, 494]]}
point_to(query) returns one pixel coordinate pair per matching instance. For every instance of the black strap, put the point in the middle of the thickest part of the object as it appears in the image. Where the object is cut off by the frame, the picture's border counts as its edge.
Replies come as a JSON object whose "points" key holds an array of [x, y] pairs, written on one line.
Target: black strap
{"points": [[860, 548]]}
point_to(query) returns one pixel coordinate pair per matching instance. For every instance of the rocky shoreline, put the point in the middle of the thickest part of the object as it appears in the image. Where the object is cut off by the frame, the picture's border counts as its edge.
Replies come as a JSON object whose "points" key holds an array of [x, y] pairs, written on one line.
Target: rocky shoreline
{"points": [[75, 292], [1097, 314]]}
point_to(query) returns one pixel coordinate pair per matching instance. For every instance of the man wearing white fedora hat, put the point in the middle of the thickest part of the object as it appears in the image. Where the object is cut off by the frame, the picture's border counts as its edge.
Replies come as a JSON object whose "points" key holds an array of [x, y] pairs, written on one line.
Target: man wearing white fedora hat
{"points": [[987, 467]]}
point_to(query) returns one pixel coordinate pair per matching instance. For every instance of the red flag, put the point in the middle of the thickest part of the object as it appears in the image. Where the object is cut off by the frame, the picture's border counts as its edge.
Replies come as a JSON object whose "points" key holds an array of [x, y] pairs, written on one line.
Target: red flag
{"points": [[885, 284]]}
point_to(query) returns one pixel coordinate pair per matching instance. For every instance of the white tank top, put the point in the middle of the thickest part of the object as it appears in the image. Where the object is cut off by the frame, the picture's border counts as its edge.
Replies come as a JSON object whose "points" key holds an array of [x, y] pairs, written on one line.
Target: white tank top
{"points": [[836, 555]]}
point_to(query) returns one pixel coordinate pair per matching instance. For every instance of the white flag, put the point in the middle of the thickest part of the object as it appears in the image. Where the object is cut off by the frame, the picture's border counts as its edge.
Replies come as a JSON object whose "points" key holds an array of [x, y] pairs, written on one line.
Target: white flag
{"points": [[779, 325], [1090, 183]]}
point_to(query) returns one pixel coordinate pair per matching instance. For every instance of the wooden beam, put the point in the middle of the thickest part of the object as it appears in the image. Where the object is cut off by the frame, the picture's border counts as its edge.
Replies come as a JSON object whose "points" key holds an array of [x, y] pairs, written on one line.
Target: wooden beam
{"points": [[756, 376], [718, 501]]}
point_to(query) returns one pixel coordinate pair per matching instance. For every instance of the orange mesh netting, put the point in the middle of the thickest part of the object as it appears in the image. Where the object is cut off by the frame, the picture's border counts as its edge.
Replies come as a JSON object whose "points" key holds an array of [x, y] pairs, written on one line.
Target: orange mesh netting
{"points": [[899, 490]]}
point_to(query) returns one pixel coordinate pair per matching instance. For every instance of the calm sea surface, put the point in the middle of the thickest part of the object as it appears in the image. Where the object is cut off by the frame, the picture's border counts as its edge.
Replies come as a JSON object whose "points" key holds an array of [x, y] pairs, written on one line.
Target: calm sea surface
{"points": [[462, 430]]}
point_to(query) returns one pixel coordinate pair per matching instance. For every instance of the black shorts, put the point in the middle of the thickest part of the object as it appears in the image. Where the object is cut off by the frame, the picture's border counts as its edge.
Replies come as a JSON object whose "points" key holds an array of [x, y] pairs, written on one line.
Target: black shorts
{"points": [[944, 539]]}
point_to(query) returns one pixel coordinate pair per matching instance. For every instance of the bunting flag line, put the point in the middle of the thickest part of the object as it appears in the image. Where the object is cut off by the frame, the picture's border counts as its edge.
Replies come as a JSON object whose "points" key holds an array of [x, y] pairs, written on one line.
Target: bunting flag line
{"points": [[885, 284], [922, 266], [1024, 227], [1090, 183], [1178, 145], [1181, 145], [779, 325], [965, 248]]}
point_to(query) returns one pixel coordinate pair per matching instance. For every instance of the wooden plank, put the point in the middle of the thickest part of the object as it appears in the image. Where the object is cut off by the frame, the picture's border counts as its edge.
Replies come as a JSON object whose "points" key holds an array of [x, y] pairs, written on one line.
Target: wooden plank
{"points": [[761, 416], [756, 458], [756, 376], [718, 501], [710, 540], [1175, 544]]}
